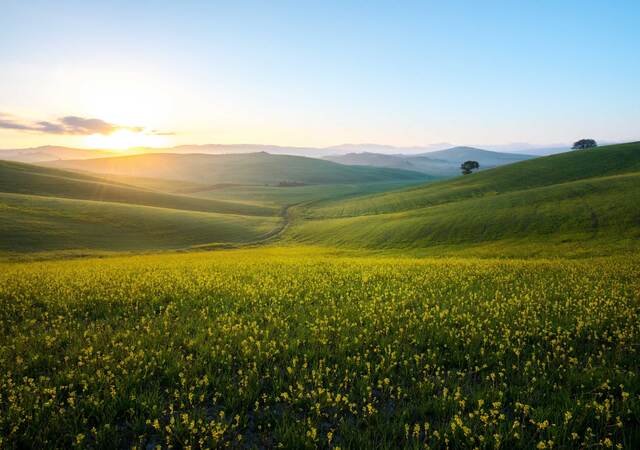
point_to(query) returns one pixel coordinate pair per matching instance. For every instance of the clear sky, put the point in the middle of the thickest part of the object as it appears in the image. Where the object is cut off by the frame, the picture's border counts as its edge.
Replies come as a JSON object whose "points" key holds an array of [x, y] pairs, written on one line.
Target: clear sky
{"points": [[104, 73]]}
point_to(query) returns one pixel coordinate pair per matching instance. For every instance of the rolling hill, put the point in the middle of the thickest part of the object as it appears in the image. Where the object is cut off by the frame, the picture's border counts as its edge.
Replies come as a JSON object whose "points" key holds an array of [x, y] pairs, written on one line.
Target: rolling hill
{"points": [[249, 168], [584, 201], [31, 223], [585, 197], [19, 178], [442, 163], [47, 209]]}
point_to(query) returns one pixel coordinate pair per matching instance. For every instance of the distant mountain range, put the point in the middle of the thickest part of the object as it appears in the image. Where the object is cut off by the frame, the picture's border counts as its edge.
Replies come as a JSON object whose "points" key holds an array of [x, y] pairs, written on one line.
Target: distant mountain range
{"points": [[441, 163], [51, 153], [54, 153]]}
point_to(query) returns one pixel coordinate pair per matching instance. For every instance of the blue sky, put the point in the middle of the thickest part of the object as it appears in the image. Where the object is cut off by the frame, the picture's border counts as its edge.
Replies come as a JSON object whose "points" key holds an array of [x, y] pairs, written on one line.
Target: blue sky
{"points": [[320, 73]]}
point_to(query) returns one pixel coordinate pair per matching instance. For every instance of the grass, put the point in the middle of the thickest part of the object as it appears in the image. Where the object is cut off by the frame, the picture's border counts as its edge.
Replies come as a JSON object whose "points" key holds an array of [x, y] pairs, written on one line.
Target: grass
{"points": [[305, 349], [35, 224], [28, 179], [595, 210], [273, 196], [52, 210], [534, 173], [348, 344], [584, 202]]}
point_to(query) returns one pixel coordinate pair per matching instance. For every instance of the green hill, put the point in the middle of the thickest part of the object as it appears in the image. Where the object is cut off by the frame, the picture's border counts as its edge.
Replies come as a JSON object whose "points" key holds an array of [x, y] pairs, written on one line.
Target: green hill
{"points": [[538, 172], [34, 223], [22, 178], [250, 168], [45, 209], [585, 197]]}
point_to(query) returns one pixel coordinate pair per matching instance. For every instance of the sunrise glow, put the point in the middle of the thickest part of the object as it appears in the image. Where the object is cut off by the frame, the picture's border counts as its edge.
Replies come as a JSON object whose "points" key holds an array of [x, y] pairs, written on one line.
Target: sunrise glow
{"points": [[124, 139]]}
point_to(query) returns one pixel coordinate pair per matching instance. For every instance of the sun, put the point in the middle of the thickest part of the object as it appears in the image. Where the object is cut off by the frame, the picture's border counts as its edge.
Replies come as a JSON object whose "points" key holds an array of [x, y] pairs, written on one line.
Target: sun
{"points": [[124, 139]]}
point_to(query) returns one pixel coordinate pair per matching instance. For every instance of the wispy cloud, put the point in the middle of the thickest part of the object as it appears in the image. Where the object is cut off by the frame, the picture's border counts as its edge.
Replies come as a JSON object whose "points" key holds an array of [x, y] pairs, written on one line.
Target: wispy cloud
{"points": [[72, 125]]}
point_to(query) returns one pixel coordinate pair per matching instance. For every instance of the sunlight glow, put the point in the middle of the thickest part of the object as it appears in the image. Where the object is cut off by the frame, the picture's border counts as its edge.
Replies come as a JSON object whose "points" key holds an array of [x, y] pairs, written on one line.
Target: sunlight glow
{"points": [[123, 140]]}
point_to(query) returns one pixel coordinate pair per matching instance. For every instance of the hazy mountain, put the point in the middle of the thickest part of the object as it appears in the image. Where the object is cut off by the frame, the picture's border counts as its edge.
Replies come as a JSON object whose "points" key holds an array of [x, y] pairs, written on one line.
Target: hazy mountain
{"points": [[372, 159], [227, 149], [529, 149], [53, 153], [383, 149], [247, 168], [441, 163], [50, 153], [458, 155]]}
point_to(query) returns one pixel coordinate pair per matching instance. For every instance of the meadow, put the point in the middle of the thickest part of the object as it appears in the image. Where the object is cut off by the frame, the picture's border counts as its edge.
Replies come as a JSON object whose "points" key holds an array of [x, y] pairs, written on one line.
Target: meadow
{"points": [[370, 310], [315, 348]]}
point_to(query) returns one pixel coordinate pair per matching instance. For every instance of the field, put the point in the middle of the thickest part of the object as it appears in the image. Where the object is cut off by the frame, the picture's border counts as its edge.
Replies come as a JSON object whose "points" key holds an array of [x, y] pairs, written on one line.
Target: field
{"points": [[495, 310], [307, 348]]}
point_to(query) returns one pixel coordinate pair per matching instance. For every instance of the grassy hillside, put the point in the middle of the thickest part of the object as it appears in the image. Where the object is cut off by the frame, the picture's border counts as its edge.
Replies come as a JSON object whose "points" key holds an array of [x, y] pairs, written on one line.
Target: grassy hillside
{"points": [[33, 223], [47, 209], [553, 200], [281, 196], [155, 184], [21, 178], [252, 168], [603, 209], [538, 172]]}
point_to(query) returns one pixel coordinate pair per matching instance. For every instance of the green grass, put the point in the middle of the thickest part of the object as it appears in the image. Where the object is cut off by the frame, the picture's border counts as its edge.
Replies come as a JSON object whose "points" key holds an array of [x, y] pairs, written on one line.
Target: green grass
{"points": [[538, 172], [39, 215], [21, 178], [585, 202], [303, 349], [283, 196], [35, 224], [155, 184], [597, 209], [342, 344]]}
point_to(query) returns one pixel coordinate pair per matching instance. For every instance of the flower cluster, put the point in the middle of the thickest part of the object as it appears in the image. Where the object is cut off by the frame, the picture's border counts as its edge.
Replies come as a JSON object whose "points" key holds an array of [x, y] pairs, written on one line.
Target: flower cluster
{"points": [[264, 349]]}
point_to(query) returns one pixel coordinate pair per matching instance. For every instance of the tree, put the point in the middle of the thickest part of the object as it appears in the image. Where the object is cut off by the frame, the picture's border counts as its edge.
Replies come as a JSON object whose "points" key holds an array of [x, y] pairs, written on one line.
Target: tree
{"points": [[467, 167], [584, 143]]}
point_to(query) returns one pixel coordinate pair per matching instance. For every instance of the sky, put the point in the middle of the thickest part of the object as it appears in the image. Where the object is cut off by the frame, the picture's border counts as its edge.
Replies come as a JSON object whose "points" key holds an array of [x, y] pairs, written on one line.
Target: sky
{"points": [[161, 73]]}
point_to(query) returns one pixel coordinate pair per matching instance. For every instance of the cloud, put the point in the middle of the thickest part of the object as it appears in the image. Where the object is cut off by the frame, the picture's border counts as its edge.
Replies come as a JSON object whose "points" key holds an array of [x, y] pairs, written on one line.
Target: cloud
{"points": [[72, 125]]}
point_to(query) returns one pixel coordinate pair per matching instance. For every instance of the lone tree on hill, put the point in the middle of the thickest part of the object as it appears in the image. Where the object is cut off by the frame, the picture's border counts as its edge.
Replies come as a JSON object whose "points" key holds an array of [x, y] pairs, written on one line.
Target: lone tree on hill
{"points": [[467, 167], [584, 143]]}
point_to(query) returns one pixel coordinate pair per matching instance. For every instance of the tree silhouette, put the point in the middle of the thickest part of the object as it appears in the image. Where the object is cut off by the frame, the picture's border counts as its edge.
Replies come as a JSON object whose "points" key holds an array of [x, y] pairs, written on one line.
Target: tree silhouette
{"points": [[467, 167], [584, 143]]}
